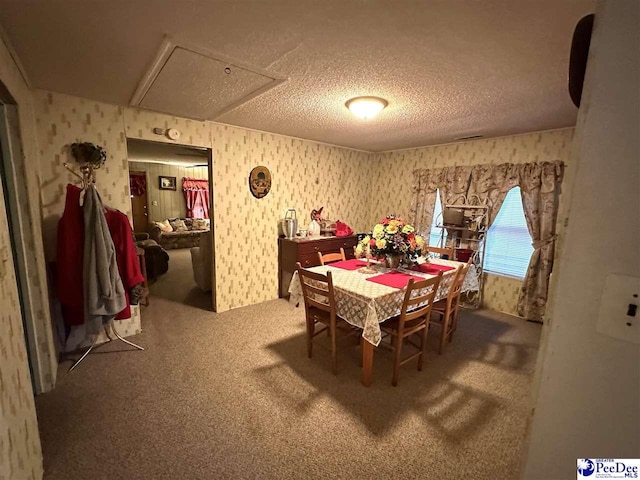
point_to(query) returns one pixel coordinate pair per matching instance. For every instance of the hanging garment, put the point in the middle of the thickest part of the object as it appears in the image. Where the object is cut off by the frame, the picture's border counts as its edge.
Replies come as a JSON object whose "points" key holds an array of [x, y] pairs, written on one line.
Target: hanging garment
{"points": [[69, 277], [126, 256], [104, 294]]}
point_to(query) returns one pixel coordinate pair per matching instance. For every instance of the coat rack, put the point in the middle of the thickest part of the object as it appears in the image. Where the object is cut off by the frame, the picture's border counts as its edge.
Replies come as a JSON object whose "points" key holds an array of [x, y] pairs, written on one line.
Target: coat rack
{"points": [[94, 157]]}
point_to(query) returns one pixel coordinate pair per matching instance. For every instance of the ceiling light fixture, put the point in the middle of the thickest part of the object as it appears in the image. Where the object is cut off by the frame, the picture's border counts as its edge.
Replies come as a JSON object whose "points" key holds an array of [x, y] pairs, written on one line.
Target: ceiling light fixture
{"points": [[366, 107]]}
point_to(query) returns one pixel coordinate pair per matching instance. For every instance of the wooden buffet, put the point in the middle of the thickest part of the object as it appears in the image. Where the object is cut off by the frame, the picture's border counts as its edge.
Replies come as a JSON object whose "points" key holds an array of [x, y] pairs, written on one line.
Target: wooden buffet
{"points": [[305, 250]]}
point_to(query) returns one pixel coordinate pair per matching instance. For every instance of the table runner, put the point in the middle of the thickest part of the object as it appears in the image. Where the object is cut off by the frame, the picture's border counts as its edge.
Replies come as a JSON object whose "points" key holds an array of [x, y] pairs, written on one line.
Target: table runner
{"points": [[366, 304]]}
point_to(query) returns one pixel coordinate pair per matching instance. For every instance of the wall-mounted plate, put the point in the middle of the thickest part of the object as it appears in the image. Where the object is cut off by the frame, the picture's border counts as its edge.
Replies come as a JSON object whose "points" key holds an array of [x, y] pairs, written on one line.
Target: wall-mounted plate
{"points": [[260, 181]]}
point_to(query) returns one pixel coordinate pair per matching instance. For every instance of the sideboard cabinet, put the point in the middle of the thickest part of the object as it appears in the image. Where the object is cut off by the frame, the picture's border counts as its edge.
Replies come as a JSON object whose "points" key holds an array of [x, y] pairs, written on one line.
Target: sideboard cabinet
{"points": [[305, 251]]}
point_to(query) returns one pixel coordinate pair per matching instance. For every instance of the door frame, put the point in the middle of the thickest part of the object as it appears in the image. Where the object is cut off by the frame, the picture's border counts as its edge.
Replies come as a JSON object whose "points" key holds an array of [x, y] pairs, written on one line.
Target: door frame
{"points": [[210, 169], [42, 362]]}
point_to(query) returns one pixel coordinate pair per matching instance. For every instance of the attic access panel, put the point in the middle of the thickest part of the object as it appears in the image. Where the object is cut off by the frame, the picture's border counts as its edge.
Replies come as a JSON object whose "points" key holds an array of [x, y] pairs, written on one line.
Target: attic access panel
{"points": [[195, 84]]}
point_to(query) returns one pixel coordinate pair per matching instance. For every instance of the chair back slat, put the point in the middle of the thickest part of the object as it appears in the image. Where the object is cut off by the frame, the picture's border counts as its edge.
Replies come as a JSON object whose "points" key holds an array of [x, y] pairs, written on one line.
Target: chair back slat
{"points": [[331, 257], [442, 251], [420, 293], [317, 290]]}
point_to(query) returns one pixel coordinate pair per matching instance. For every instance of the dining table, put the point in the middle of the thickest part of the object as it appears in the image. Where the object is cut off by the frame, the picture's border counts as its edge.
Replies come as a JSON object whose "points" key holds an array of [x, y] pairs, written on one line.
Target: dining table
{"points": [[366, 297]]}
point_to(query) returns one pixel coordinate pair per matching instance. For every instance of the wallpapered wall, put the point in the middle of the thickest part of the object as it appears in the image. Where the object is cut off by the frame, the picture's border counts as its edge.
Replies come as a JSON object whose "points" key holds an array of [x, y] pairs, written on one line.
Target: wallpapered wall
{"points": [[392, 172], [20, 452], [305, 175], [171, 203], [61, 120]]}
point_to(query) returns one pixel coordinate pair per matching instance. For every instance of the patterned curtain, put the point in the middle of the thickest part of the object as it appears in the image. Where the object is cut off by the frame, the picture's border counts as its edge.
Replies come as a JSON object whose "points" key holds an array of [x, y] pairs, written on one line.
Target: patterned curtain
{"points": [[196, 195], [454, 184], [425, 183], [490, 184], [540, 188], [137, 184]]}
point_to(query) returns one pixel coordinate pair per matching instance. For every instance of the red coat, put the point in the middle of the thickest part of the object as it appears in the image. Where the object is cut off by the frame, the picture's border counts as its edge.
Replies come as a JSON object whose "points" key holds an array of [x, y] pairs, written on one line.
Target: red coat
{"points": [[70, 257]]}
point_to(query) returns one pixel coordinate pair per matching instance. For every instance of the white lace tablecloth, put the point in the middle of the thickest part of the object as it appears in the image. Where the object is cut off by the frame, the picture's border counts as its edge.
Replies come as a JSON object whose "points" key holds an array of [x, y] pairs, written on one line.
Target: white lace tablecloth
{"points": [[366, 304]]}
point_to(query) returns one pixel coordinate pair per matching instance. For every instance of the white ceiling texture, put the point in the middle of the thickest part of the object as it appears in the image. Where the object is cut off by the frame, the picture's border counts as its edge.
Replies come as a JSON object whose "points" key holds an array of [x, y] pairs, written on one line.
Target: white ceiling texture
{"points": [[449, 68]]}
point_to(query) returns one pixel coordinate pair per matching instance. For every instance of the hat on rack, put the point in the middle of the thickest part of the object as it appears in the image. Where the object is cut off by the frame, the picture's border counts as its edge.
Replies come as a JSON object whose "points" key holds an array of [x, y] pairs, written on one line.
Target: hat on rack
{"points": [[88, 153]]}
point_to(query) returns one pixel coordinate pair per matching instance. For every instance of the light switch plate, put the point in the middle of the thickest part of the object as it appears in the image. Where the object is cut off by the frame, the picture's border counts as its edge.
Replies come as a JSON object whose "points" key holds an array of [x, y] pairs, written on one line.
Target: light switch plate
{"points": [[618, 293], [154, 203]]}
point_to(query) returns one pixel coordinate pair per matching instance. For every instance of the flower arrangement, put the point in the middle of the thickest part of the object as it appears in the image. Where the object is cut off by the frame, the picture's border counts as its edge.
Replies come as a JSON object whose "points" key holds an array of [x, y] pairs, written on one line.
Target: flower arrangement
{"points": [[392, 237]]}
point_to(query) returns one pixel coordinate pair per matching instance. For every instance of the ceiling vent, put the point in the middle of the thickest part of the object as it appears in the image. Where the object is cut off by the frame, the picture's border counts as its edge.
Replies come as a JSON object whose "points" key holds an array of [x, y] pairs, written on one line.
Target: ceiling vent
{"points": [[188, 81]]}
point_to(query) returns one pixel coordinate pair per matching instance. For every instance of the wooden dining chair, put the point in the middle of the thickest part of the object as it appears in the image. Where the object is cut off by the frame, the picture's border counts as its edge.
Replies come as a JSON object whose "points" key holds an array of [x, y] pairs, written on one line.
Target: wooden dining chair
{"points": [[413, 319], [331, 257], [320, 307], [447, 308], [442, 251]]}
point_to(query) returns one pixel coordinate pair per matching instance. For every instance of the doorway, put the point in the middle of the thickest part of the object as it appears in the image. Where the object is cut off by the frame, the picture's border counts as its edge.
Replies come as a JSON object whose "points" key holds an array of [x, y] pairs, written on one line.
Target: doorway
{"points": [[171, 205]]}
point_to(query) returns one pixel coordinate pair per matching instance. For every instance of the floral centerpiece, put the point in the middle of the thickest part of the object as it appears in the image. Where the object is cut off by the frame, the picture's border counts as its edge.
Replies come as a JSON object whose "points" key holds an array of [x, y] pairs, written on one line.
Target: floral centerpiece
{"points": [[394, 240]]}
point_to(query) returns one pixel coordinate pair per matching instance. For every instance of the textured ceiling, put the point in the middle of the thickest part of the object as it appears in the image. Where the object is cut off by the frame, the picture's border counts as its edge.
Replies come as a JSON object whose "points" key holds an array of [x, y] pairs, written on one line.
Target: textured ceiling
{"points": [[448, 68], [166, 153]]}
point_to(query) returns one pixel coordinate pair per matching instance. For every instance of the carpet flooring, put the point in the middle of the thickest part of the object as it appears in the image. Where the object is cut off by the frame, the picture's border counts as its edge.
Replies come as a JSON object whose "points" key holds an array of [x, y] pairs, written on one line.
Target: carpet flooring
{"points": [[234, 396], [178, 285]]}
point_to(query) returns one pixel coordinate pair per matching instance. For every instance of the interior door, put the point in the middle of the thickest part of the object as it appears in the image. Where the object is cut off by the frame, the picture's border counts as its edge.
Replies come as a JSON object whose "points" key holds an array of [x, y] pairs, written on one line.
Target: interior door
{"points": [[139, 207]]}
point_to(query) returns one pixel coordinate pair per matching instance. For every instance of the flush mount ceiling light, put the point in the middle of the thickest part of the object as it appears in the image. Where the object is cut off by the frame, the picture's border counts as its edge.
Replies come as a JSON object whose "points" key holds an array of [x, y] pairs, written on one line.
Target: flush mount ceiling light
{"points": [[366, 107]]}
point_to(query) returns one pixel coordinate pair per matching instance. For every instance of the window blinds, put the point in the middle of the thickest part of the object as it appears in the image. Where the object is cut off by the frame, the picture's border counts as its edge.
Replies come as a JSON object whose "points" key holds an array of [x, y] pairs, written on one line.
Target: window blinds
{"points": [[508, 245]]}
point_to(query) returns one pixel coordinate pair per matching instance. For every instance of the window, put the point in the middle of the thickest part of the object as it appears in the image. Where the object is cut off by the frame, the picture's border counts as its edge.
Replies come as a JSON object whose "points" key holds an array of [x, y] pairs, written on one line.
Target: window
{"points": [[434, 234], [508, 246]]}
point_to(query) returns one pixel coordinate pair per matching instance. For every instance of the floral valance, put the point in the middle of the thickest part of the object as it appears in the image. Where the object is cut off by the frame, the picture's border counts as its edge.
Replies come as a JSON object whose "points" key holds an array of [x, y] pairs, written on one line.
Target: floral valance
{"points": [[194, 184], [481, 183]]}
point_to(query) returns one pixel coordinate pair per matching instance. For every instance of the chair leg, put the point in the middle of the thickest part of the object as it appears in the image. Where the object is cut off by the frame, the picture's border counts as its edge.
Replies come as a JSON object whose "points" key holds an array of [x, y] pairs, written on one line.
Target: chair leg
{"points": [[455, 322], [443, 332], [310, 329], [334, 353], [423, 343], [396, 360]]}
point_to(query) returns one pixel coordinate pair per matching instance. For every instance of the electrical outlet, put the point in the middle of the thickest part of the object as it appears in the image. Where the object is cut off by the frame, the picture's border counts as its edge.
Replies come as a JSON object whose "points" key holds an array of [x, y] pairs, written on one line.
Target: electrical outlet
{"points": [[154, 203], [619, 316]]}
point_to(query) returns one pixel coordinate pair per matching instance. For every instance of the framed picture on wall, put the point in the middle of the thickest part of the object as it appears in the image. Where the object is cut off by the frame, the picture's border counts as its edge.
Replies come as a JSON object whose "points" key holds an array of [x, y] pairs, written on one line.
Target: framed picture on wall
{"points": [[167, 183]]}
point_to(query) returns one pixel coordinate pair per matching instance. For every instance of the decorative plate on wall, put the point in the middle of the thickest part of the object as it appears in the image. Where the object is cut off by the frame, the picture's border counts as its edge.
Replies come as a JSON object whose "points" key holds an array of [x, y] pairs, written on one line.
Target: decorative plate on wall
{"points": [[260, 181]]}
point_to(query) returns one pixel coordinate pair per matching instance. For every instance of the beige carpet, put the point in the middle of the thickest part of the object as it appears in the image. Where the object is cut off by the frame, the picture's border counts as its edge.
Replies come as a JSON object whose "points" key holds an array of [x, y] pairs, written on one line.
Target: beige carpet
{"points": [[234, 396], [178, 285]]}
